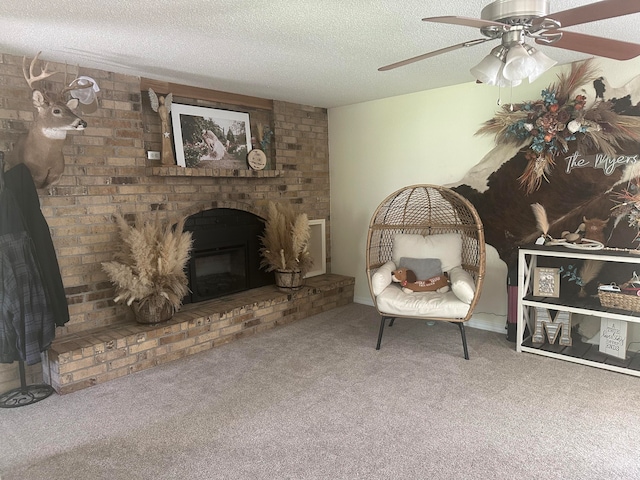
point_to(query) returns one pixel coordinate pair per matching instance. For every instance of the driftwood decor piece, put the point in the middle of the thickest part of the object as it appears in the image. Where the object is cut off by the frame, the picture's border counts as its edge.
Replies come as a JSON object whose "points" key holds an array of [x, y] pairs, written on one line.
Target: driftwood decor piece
{"points": [[162, 105]]}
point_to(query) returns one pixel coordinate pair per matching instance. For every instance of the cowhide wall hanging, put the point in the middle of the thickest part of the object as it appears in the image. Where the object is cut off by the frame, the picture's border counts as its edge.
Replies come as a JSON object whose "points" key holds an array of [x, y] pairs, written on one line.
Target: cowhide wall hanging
{"points": [[575, 151]]}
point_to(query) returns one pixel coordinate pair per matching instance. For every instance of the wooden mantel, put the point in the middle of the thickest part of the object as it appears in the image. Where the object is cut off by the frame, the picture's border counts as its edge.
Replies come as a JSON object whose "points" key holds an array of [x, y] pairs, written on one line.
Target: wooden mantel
{"points": [[178, 90]]}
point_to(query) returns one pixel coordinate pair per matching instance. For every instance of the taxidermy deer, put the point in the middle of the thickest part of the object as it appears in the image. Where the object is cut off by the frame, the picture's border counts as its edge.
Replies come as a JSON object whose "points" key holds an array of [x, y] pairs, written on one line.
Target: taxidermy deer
{"points": [[41, 148]]}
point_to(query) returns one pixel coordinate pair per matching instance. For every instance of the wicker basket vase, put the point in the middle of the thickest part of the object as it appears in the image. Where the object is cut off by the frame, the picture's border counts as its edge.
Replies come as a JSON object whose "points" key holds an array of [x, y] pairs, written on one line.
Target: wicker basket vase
{"points": [[154, 310], [287, 280]]}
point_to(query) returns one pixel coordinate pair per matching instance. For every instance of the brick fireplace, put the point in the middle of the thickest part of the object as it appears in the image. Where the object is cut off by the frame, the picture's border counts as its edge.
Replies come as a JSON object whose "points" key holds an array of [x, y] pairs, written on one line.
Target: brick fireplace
{"points": [[107, 172]]}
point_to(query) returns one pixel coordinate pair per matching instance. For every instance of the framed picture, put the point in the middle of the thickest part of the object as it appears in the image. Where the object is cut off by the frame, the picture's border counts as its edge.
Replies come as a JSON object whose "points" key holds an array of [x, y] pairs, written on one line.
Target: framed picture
{"points": [[210, 137], [317, 247], [546, 282]]}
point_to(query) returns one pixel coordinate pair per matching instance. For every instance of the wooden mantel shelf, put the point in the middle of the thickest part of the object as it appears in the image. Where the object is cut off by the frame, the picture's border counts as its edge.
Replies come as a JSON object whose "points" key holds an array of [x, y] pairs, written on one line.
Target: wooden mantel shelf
{"points": [[175, 171], [162, 87]]}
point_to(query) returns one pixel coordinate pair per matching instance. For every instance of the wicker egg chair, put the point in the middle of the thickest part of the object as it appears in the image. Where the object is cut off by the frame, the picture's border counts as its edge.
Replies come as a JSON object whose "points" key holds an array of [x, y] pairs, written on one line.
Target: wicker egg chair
{"points": [[427, 210]]}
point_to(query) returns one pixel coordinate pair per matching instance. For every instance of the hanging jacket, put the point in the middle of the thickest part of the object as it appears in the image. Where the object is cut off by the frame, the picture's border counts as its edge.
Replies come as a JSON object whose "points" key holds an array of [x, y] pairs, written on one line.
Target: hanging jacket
{"points": [[27, 325], [19, 181]]}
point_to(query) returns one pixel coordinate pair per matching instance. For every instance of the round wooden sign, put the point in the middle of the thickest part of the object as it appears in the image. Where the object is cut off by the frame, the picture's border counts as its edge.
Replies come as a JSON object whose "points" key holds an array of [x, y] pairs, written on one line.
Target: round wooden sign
{"points": [[257, 159]]}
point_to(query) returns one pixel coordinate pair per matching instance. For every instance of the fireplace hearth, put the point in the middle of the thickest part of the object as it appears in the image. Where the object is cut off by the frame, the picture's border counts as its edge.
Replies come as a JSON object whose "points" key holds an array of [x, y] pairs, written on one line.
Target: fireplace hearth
{"points": [[225, 257]]}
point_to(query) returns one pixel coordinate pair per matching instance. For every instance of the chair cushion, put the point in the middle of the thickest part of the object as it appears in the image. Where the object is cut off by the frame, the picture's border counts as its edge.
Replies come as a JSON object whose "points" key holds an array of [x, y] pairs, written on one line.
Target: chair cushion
{"points": [[394, 301], [381, 278], [462, 284], [424, 268], [446, 247]]}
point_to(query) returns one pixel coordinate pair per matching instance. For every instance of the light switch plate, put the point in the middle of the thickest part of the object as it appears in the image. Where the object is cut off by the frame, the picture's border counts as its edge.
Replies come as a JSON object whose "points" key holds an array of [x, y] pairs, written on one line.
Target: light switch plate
{"points": [[151, 155]]}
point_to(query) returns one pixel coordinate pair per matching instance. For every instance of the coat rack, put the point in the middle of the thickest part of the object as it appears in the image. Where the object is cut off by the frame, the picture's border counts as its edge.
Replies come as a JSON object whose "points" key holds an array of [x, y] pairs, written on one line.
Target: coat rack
{"points": [[24, 394]]}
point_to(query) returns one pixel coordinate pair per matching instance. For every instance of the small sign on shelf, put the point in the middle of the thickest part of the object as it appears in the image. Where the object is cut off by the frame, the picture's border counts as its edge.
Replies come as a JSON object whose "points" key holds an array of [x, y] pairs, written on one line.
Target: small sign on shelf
{"points": [[546, 282], [613, 337]]}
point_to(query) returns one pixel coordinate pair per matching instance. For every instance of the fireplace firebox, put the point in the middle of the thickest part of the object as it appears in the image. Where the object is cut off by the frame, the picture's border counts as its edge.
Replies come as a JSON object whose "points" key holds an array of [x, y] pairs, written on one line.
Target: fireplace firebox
{"points": [[225, 257]]}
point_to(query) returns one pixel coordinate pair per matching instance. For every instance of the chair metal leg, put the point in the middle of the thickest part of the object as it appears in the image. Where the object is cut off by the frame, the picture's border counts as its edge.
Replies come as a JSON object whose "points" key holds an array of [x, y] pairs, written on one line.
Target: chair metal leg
{"points": [[382, 329], [464, 340]]}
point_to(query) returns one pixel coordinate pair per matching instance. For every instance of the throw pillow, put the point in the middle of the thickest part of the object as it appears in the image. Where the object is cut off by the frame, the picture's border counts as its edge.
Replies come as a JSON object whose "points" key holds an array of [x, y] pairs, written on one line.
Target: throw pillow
{"points": [[462, 284], [447, 247], [423, 267], [381, 279]]}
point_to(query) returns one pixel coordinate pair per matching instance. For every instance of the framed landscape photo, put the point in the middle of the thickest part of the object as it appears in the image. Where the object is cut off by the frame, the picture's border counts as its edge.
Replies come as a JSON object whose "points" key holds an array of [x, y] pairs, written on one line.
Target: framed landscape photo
{"points": [[210, 137], [546, 282]]}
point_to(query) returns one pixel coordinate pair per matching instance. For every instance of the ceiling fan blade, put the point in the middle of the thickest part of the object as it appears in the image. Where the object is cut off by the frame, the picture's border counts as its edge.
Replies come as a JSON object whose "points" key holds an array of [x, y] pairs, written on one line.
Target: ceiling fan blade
{"points": [[595, 11], [600, 46], [408, 61], [467, 22]]}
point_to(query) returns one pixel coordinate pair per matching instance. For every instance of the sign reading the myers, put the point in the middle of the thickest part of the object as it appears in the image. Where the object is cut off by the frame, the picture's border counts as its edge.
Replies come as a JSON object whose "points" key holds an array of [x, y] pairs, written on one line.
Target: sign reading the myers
{"points": [[604, 162]]}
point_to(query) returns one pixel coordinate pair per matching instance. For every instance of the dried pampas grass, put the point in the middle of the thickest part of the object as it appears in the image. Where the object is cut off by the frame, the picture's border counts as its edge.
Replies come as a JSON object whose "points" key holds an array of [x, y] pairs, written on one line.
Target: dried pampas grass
{"points": [[588, 272], [542, 221], [285, 243], [150, 260]]}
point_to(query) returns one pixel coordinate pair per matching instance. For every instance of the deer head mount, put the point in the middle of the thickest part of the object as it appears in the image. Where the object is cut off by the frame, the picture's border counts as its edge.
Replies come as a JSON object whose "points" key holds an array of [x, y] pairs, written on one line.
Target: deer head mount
{"points": [[40, 149]]}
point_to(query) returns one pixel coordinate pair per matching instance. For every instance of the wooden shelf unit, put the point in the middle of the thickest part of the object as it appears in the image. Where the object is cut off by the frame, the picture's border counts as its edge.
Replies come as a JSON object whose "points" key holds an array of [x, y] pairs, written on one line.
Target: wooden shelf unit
{"points": [[582, 353]]}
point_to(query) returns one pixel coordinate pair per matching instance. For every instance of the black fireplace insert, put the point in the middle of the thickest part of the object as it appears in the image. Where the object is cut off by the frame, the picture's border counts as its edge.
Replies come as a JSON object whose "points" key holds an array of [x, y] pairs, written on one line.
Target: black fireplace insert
{"points": [[225, 256]]}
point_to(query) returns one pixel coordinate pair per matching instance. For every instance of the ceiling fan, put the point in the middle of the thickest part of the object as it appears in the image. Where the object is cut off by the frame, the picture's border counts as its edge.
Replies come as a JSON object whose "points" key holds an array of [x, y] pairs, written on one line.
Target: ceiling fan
{"points": [[514, 21]]}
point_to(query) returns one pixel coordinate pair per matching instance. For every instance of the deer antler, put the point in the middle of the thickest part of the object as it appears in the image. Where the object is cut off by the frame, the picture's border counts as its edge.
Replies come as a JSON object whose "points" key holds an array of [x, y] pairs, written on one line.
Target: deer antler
{"points": [[77, 84], [29, 76]]}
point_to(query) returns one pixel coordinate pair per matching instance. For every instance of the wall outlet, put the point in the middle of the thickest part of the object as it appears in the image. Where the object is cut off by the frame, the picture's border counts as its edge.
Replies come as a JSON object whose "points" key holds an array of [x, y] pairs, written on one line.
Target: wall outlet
{"points": [[151, 155]]}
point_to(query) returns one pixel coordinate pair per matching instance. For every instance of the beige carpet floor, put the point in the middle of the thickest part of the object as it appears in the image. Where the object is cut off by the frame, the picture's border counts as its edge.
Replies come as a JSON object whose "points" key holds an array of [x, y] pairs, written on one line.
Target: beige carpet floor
{"points": [[315, 400]]}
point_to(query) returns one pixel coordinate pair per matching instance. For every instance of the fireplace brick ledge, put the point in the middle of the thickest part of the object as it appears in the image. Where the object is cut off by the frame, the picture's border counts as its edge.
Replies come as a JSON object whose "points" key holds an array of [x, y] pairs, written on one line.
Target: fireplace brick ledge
{"points": [[80, 360]]}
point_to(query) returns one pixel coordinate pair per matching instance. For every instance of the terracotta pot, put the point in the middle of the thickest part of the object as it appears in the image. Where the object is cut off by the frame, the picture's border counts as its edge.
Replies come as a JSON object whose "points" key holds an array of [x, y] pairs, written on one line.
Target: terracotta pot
{"points": [[287, 280], [152, 310]]}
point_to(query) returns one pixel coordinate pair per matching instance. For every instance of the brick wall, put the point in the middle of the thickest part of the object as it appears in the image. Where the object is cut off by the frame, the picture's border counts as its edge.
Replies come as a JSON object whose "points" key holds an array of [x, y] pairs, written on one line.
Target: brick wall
{"points": [[107, 171]]}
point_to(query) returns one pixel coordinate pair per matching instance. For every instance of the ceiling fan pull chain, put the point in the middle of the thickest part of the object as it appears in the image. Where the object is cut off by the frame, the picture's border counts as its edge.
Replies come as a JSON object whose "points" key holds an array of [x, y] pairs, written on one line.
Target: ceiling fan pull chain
{"points": [[511, 98]]}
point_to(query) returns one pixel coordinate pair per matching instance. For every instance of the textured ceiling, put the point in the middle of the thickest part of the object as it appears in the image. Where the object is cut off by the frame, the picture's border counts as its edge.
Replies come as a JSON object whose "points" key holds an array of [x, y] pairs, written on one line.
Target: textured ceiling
{"points": [[321, 53]]}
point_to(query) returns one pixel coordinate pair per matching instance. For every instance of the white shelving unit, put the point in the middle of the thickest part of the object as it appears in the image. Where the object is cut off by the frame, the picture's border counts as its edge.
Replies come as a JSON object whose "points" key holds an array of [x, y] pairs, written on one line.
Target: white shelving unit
{"points": [[584, 353]]}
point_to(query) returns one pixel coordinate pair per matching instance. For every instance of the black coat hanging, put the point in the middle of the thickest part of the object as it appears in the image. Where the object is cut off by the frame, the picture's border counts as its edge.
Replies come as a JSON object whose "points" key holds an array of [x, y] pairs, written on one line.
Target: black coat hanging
{"points": [[26, 321]]}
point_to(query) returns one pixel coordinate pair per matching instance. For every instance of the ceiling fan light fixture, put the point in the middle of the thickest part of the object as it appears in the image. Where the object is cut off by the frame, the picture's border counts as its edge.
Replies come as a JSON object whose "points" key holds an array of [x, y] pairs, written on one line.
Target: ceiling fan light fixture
{"points": [[519, 65], [503, 82], [543, 63], [489, 70]]}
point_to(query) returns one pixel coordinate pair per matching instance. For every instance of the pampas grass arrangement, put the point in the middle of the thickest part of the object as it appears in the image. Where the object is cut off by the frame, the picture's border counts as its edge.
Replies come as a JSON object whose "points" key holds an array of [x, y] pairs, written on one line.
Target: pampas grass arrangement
{"points": [[285, 243], [149, 263], [588, 272]]}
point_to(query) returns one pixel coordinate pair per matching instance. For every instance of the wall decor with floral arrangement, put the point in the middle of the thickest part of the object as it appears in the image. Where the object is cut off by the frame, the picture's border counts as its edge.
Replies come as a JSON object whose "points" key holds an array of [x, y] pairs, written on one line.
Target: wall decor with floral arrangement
{"points": [[550, 125]]}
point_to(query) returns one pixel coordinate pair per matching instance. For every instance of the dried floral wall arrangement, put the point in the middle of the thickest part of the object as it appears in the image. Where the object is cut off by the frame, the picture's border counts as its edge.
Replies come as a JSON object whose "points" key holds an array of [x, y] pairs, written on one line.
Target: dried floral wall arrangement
{"points": [[561, 120], [574, 151]]}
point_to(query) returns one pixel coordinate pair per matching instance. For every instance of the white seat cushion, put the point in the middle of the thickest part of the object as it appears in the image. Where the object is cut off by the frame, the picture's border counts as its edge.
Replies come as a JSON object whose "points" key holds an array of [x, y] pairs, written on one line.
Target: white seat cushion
{"points": [[394, 301]]}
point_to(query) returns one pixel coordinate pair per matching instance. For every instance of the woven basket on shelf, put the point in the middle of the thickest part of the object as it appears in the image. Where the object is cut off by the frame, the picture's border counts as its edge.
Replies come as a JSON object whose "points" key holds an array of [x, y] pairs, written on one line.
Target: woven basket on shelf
{"points": [[619, 300]]}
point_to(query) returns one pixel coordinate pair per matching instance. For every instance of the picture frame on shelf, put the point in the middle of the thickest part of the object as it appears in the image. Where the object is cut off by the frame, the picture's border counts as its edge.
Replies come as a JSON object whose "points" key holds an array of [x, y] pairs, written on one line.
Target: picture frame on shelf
{"points": [[546, 282], [210, 137]]}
